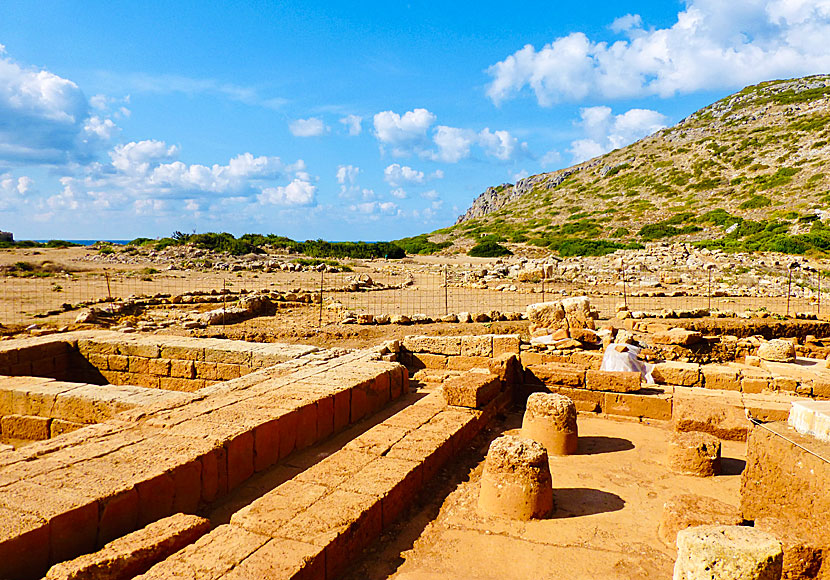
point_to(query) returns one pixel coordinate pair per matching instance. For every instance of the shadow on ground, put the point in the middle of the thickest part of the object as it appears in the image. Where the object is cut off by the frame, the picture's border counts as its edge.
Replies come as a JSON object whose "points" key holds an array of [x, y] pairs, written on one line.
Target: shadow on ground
{"points": [[731, 466], [594, 445], [573, 502]]}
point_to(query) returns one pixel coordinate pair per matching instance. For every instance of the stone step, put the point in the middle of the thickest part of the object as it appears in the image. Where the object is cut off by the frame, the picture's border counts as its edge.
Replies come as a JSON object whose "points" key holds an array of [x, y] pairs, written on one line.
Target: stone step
{"points": [[317, 523]]}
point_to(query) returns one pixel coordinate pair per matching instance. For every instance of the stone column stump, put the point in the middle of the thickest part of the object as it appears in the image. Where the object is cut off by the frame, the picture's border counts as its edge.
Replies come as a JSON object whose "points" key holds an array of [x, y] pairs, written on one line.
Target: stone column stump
{"points": [[550, 419], [516, 481], [727, 553], [693, 453]]}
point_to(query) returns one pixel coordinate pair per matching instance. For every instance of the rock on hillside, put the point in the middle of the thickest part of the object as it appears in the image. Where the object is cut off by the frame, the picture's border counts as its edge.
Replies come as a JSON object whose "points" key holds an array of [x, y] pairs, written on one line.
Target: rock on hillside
{"points": [[758, 157]]}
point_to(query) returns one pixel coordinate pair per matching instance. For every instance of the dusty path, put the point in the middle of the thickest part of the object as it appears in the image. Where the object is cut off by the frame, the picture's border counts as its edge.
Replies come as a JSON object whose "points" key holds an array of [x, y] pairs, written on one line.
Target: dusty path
{"points": [[609, 501]]}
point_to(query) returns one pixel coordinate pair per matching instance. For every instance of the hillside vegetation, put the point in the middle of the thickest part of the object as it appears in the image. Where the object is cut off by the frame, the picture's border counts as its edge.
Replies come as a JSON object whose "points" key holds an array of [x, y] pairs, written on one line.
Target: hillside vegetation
{"points": [[748, 172]]}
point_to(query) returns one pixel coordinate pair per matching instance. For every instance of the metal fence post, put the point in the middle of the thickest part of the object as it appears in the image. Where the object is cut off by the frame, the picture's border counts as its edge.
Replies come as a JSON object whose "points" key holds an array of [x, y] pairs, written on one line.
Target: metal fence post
{"points": [[322, 278], [446, 292]]}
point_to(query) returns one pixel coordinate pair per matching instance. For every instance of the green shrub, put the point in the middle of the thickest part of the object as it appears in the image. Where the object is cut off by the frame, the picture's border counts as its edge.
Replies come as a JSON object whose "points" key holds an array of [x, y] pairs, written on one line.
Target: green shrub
{"points": [[756, 202], [651, 232], [489, 249], [420, 245]]}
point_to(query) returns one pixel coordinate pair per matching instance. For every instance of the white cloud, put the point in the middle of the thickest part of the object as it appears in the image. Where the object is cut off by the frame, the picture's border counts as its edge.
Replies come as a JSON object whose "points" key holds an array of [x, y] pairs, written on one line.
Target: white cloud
{"points": [[374, 210], [347, 174], [453, 143], [399, 193], [353, 123], [148, 170], [137, 156], [431, 194], [606, 131], [550, 158], [9, 186], [712, 45], [311, 127], [44, 118], [404, 133], [298, 192], [103, 129], [499, 144], [626, 23], [396, 175]]}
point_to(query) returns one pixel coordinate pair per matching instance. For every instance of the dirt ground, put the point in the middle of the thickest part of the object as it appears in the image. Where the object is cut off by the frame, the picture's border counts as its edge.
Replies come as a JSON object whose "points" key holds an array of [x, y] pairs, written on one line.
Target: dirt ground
{"points": [[609, 499]]}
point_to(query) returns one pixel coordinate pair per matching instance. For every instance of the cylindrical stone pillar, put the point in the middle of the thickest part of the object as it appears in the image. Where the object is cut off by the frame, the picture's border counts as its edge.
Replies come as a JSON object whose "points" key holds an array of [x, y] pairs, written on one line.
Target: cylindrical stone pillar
{"points": [[516, 481], [694, 453], [550, 419], [727, 553]]}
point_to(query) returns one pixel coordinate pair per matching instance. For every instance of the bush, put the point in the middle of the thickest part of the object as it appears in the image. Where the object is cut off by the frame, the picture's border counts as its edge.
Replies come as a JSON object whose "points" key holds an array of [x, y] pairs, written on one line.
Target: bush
{"points": [[489, 249], [756, 202], [420, 245]]}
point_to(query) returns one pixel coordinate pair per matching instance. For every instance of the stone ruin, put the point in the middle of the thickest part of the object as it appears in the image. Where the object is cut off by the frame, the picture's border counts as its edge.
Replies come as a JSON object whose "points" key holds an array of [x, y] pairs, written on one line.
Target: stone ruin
{"points": [[114, 445]]}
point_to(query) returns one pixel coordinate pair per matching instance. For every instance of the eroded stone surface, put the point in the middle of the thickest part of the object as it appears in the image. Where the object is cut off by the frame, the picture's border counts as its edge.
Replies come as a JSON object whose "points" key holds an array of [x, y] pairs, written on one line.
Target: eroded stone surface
{"points": [[727, 553], [516, 482]]}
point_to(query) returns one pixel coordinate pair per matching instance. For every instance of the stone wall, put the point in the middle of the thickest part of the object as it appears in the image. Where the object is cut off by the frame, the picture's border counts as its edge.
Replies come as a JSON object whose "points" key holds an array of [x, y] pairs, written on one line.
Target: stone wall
{"points": [[68, 495]]}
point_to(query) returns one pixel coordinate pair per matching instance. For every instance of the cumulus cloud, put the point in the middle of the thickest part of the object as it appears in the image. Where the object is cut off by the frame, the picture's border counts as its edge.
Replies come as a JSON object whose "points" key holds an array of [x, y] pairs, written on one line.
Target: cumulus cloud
{"points": [[311, 127], [404, 133], [347, 174], [374, 210], [712, 45], [353, 124], [298, 192], [453, 143], [499, 144], [626, 23], [550, 158], [149, 170], [606, 131], [396, 175], [44, 118]]}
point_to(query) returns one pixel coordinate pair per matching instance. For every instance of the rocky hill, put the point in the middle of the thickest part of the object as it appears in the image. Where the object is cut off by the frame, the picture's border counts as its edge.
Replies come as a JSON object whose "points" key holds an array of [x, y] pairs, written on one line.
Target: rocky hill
{"points": [[747, 172]]}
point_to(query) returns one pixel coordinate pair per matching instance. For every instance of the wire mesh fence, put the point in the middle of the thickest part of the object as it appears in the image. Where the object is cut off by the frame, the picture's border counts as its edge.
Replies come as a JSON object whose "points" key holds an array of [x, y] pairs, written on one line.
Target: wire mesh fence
{"points": [[430, 290]]}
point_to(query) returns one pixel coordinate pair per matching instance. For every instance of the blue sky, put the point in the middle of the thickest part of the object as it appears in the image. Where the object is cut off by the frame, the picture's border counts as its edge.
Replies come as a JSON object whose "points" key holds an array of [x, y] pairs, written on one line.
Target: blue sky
{"points": [[348, 120]]}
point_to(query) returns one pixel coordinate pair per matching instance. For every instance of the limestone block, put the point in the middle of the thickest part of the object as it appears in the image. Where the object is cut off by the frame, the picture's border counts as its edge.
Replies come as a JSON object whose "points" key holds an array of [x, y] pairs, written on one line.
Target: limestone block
{"points": [[446, 345], [550, 419], [727, 553], [159, 367], [694, 453], [721, 416], [24, 544], [558, 374], [546, 315], [655, 405], [471, 389], [806, 550], [578, 312], [516, 481], [677, 336], [506, 344], [676, 373], [721, 377], [688, 510], [479, 345], [783, 480], [27, 427], [811, 418], [134, 553], [59, 427], [615, 381], [777, 350]]}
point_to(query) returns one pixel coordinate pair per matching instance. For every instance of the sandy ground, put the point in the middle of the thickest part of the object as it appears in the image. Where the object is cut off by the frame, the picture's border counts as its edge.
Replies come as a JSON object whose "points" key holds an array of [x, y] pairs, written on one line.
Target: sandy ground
{"points": [[76, 277], [609, 501]]}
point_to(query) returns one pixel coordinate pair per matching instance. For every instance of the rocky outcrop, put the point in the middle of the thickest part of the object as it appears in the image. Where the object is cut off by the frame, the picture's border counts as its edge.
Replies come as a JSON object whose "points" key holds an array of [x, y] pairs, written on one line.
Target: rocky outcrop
{"points": [[496, 198]]}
